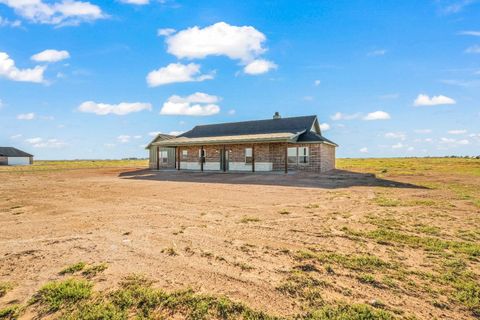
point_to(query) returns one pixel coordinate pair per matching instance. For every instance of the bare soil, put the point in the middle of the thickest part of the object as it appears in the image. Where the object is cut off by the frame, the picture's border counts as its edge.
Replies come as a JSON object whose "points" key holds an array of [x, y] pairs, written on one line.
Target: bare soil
{"points": [[230, 234]]}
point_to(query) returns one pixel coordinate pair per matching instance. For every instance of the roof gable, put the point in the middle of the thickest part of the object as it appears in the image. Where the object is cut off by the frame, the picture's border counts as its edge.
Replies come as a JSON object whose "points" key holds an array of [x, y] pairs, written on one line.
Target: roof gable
{"points": [[282, 125]]}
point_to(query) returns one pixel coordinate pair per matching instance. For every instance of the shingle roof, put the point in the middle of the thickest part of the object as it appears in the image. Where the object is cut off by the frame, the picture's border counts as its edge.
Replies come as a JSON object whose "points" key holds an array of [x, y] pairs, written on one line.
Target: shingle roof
{"points": [[292, 125], [13, 152], [310, 136]]}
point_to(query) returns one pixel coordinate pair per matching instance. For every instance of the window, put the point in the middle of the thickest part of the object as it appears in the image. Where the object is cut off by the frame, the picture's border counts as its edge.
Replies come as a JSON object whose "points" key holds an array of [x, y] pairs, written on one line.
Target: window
{"points": [[292, 155], [201, 155], [164, 156], [248, 155], [184, 154], [303, 154]]}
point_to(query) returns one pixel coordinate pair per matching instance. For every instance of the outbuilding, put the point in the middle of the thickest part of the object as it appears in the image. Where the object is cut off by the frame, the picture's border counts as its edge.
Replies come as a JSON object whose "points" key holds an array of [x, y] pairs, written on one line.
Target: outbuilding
{"points": [[10, 156]]}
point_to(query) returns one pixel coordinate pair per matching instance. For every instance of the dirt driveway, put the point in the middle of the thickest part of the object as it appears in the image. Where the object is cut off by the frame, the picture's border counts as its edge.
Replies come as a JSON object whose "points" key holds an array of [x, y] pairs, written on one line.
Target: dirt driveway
{"points": [[230, 234]]}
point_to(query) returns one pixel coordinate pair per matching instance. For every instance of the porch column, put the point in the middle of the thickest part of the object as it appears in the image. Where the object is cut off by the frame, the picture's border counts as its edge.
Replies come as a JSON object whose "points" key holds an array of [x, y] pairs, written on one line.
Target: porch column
{"points": [[224, 159], [253, 158], [178, 158], [201, 158], [158, 158], [286, 157]]}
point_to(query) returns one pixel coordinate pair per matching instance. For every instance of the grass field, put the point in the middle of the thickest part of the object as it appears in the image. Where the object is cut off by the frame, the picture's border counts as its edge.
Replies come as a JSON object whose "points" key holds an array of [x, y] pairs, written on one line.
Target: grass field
{"points": [[104, 240]]}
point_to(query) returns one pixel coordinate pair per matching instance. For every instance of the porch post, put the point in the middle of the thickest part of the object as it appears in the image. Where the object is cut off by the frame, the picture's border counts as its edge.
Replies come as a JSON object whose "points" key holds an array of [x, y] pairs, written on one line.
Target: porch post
{"points": [[224, 159], [253, 158], [158, 158], [201, 158], [286, 157], [178, 158]]}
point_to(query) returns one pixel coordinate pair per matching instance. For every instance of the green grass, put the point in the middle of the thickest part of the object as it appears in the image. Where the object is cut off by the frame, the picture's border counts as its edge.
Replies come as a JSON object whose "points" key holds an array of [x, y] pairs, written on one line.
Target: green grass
{"points": [[57, 294], [91, 271], [73, 268], [10, 312], [5, 287], [350, 312], [46, 166]]}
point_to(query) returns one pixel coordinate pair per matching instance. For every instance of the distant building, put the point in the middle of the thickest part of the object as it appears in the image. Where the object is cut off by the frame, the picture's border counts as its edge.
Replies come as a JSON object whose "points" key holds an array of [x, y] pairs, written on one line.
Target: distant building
{"points": [[278, 144], [10, 156]]}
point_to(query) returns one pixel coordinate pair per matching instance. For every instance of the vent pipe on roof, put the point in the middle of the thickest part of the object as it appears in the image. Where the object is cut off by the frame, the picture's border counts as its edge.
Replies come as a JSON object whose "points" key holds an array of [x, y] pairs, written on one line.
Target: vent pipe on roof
{"points": [[277, 115]]}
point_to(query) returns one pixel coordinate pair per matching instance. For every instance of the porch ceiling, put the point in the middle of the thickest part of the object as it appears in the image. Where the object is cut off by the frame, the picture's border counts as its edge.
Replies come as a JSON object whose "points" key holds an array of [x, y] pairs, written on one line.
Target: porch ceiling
{"points": [[248, 138]]}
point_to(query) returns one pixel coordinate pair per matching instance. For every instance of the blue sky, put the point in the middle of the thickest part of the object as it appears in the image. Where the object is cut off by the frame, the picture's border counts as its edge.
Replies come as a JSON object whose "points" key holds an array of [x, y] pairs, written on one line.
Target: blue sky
{"points": [[97, 79]]}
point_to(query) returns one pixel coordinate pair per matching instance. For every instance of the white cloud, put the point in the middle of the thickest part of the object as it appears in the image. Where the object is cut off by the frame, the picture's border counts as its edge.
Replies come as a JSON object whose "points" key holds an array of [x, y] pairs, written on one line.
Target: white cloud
{"points": [[377, 115], [197, 104], [123, 138], [451, 141], [136, 2], [1, 104], [457, 131], [259, 66], [425, 100], [324, 126], [4, 22], [16, 136], [423, 131], [473, 49], [51, 55], [121, 109], [65, 12], [176, 72], [364, 150], [395, 135], [238, 43], [470, 33], [398, 145], [45, 143], [154, 133], [342, 116], [10, 71], [308, 98], [376, 53], [165, 32], [26, 116], [231, 112], [316, 83], [175, 133]]}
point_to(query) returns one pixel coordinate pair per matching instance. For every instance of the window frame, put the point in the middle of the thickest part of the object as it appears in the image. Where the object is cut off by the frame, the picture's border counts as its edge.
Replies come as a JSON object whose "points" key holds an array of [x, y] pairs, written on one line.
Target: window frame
{"points": [[305, 155], [289, 157], [163, 155]]}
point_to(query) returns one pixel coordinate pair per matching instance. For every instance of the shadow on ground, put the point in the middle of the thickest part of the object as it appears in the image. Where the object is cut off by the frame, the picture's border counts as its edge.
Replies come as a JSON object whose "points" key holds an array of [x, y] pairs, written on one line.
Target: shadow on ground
{"points": [[331, 180]]}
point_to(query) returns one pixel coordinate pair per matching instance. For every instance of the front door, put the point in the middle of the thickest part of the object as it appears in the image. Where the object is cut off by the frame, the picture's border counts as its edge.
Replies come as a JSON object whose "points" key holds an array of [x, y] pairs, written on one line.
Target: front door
{"points": [[224, 159]]}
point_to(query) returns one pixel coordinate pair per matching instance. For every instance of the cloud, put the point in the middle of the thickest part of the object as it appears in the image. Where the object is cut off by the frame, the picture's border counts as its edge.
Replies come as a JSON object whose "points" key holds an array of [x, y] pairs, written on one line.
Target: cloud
{"points": [[342, 116], [46, 143], [197, 104], [4, 22], [425, 100], [395, 135], [364, 150], [324, 126], [51, 55], [377, 115], [175, 133], [176, 72], [65, 12], [398, 145], [259, 66], [16, 136], [377, 53], [457, 131], [473, 49], [165, 32], [123, 139], [26, 116], [220, 39], [451, 141], [136, 2], [120, 109], [231, 112], [456, 6], [316, 83], [11, 72], [470, 33], [423, 131]]}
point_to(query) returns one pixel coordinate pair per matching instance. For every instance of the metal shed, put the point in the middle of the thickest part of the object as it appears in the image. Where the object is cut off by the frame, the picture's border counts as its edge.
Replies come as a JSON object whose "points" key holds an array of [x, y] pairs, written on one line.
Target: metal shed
{"points": [[14, 157]]}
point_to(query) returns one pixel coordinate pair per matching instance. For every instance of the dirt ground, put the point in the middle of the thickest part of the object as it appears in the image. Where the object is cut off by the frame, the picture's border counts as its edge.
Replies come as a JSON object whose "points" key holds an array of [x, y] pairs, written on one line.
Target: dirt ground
{"points": [[245, 236]]}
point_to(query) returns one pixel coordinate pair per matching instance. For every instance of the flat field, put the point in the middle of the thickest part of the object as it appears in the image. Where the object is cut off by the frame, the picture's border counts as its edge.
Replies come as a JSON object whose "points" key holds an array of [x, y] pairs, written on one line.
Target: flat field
{"points": [[376, 239]]}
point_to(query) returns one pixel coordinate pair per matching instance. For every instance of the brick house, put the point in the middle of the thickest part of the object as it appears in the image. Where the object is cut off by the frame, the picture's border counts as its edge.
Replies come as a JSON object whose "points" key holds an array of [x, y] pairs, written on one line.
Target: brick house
{"points": [[278, 144]]}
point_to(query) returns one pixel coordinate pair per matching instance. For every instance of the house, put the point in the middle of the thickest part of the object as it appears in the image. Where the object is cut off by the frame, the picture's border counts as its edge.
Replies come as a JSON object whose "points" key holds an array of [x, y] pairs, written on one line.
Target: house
{"points": [[14, 157], [278, 144]]}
